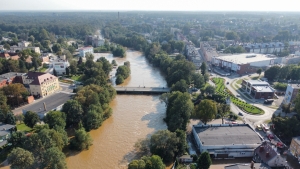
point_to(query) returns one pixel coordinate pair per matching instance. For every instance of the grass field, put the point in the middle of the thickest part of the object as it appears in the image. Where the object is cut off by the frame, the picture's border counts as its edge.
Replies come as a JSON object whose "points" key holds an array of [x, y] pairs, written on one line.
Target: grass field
{"points": [[77, 77], [221, 89], [42, 69], [66, 81], [23, 127]]}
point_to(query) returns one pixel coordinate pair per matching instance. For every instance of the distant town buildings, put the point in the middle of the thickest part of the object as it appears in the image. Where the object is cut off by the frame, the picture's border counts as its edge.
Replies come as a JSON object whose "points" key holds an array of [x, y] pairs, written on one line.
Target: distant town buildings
{"points": [[94, 40], [291, 93], [83, 51], [9, 78], [264, 48], [258, 89], [208, 52], [24, 45], [226, 141], [193, 55]]}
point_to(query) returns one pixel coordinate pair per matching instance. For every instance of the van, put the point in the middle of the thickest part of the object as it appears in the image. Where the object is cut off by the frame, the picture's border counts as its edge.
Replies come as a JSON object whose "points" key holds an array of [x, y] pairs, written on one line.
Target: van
{"points": [[268, 101]]}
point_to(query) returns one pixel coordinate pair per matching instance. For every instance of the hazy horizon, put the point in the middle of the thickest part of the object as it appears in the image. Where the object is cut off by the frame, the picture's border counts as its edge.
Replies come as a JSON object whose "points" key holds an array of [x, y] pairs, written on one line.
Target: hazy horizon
{"points": [[153, 5]]}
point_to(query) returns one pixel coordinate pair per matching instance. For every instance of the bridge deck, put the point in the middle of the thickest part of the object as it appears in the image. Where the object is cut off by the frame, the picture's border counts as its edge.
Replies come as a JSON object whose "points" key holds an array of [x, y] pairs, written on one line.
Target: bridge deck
{"points": [[145, 90]]}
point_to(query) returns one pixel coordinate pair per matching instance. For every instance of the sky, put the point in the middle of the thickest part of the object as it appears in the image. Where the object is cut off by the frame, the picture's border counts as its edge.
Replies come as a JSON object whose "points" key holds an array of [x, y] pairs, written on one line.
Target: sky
{"points": [[151, 5]]}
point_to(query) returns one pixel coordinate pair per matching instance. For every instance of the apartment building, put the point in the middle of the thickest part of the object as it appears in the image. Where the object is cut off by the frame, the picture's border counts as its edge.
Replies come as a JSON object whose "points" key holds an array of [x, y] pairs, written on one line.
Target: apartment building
{"points": [[40, 84], [24, 45], [295, 147], [291, 93]]}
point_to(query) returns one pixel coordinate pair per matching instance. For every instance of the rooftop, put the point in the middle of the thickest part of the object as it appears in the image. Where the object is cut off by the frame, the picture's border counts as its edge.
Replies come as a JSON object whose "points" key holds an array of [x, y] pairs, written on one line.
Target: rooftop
{"points": [[227, 135], [297, 139], [257, 82], [89, 47], [295, 86], [39, 77], [247, 166], [9, 75], [245, 58], [263, 89]]}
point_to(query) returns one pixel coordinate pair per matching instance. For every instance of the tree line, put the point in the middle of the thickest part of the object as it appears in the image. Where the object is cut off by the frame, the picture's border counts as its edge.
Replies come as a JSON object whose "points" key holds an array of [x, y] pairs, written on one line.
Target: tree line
{"points": [[288, 72], [123, 73]]}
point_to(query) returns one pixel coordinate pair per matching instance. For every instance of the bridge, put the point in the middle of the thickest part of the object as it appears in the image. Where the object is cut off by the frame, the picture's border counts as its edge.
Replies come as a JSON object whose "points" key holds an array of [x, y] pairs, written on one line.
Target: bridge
{"points": [[141, 90]]}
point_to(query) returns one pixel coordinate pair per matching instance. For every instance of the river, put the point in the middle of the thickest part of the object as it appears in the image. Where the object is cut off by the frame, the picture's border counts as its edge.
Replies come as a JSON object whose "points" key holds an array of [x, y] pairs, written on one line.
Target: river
{"points": [[134, 117]]}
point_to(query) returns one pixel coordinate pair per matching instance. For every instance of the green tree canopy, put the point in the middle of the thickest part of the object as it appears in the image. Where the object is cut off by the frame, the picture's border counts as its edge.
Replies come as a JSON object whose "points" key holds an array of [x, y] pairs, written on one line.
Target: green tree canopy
{"points": [[20, 159], [54, 159], [81, 141], [55, 118], [204, 161], [31, 118], [206, 110]]}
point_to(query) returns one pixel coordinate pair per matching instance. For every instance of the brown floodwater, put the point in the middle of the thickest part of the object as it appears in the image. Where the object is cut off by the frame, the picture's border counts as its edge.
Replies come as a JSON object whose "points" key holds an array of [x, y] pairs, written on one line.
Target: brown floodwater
{"points": [[134, 117]]}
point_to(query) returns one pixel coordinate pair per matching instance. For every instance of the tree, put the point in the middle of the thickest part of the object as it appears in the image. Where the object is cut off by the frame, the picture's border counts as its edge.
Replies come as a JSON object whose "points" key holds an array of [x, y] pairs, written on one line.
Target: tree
{"points": [[6, 46], [55, 118], [15, 93], [81, 141], [203, 68], [180, 86], [54, 159], [93, 120], [17, 139], [206, 110], [31, 118], [73, 111], [198, 80], [119, 79], [10, 118], [272, 73], [297, 103], [204, 161], [259, 71], [231, 36], [286, 108], [179, 109], [71, 49], [146, 162], [223, 110], [56, 47], [209, 89], [20, 159], [167, 145], [73, 67], [54, 72]]}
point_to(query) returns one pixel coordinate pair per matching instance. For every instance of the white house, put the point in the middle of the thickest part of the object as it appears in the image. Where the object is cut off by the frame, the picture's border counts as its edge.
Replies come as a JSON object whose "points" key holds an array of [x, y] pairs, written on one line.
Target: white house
{"points": [[291, 93], [85, 50]]}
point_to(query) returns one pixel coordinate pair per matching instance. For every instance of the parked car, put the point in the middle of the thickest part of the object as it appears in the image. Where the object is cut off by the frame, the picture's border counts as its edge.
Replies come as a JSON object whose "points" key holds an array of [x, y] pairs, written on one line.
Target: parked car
{"points": [[241, 114], [237, 95], [227, 82], [258, 127], [268, 101]]}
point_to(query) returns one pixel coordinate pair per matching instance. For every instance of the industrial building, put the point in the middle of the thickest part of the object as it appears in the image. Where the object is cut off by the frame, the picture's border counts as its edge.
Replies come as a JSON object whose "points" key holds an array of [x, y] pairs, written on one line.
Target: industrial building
{"points": [[258, 89], [245, 63], [291, 93], [226, 140]]}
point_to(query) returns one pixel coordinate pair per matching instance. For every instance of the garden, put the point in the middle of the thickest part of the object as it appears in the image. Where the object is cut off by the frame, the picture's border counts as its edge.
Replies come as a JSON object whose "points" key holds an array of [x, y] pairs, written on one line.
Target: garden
{"points": [[248, 108]]}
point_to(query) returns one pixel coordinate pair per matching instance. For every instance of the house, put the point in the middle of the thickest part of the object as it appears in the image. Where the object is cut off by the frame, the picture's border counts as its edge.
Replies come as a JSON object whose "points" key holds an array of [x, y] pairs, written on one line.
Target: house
{"points": [[9, 78], [4, 55], [24, 45], [226, 140], [185, 159], [60, 65], [258, 89], [85, 50], [98, 41], [291, 93], [267, 153], [5, 133], [40, 84], [295, 147]]}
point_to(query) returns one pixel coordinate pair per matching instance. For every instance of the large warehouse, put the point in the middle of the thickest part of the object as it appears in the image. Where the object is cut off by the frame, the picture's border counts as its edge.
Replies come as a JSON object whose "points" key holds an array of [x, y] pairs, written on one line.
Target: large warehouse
{"points": [[226, 141], [245, 63]]}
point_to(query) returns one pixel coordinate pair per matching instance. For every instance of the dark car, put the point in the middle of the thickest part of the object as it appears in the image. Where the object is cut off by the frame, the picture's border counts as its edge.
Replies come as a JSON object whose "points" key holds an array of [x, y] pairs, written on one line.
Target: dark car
{"points": [[241, 114], [227, 82]]}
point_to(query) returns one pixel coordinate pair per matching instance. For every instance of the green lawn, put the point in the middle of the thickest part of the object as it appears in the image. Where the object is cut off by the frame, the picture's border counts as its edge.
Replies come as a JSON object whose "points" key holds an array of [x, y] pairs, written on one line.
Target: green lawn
{"points": [[239, 81], [23, 127], [66, 81], [221, 89], [42, 69], [77, 77]]}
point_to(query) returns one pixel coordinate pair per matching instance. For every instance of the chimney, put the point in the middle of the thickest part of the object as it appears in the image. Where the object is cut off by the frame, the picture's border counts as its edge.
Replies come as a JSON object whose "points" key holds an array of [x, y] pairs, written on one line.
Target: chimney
{"points": [[261, 148], [267, 154], [45, 106]]}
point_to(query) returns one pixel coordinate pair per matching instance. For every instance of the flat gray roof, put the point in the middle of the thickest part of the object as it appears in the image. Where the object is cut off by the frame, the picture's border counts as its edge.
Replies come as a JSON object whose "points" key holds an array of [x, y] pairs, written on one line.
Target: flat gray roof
{"points": [[263, 89], [257, 82], [244, 58], [227, 135], [247, 166]]}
